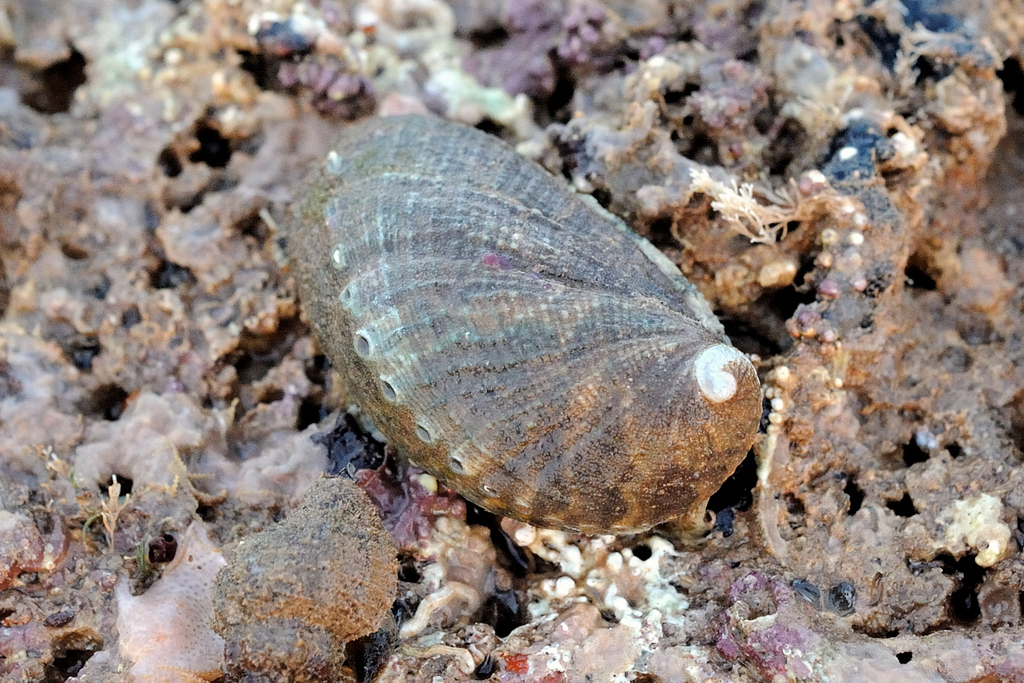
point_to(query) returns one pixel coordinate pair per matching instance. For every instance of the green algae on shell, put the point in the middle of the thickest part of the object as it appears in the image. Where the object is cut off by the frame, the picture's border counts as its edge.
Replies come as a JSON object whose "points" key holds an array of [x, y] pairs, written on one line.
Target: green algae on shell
{"points": [[512, 337]]}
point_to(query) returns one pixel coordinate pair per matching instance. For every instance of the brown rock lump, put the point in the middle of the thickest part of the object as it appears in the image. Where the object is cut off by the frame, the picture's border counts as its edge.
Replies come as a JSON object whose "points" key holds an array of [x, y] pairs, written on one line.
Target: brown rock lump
{"points": [[296, 593]]}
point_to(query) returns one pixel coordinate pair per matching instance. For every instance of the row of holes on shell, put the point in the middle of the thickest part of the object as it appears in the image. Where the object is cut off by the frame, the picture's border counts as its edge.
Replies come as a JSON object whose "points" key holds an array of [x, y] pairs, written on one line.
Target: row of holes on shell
{"points": [[361, 343], [364, 348]]}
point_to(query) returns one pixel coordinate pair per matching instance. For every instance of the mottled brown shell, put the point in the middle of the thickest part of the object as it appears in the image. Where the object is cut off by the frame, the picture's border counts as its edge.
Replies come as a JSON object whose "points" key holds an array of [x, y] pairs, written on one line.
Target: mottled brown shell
{"points": [[513, 338]]}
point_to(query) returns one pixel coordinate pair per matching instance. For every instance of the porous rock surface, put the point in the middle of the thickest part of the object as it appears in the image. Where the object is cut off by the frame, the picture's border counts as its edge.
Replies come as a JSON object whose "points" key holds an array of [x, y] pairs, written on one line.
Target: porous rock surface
{"points": [[149, 150]]}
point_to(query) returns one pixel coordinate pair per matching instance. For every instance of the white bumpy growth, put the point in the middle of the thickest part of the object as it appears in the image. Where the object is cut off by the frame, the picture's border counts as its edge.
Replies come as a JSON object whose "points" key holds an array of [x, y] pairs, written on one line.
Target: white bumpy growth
{"points": [[710, 367]]}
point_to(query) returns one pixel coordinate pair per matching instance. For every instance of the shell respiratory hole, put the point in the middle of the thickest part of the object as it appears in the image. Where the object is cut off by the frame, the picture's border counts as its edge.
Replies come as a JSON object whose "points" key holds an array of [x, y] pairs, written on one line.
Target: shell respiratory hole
{"points": [[512, 337]]}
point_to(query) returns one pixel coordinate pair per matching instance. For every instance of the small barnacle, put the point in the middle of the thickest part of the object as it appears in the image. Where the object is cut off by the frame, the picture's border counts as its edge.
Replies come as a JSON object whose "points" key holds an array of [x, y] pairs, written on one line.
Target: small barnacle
{"points": [[808, 591], [841, 599], [162, 549]]}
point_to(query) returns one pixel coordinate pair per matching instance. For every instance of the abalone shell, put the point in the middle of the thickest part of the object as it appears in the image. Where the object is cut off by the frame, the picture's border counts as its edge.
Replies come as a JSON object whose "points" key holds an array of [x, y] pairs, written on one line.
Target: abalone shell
{"points": [[512, 337]]}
